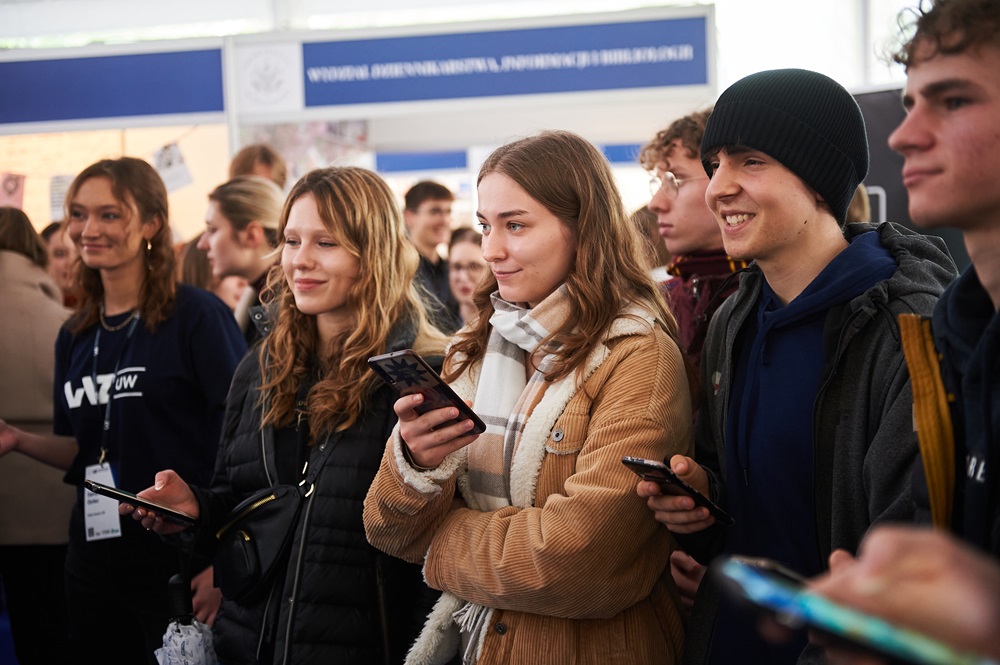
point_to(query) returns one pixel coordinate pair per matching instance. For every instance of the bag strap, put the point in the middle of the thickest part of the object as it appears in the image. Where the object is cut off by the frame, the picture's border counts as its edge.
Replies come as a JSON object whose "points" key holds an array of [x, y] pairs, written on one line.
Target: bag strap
{"points": [[314, 468], [931, 415]]}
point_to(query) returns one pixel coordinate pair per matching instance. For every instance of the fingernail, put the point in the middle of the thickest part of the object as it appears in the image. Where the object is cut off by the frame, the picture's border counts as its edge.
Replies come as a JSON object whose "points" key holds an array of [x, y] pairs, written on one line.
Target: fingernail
{"points": [[158, 485]]}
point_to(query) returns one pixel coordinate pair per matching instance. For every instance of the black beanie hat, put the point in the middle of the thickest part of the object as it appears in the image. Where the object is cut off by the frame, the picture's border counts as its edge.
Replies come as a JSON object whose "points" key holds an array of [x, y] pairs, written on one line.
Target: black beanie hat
{"points": [[805, 120]]}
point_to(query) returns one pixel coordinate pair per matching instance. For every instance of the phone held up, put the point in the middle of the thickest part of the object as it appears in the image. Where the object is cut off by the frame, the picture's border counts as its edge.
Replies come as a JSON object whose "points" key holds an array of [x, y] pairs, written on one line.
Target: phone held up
{"points": [[670, 483], [772, 590], [169, 514], [407, 373]]}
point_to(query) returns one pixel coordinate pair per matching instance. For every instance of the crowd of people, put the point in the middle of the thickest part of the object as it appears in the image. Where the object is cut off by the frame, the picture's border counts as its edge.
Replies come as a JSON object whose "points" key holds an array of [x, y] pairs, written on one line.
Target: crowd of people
{"points": [[830, 383]]}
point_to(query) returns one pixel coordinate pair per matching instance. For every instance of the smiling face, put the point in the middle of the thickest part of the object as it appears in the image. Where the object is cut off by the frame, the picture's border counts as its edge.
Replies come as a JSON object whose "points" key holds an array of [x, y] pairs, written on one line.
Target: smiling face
{"points": [[685, 223], [108, 233], [62, 255], [765, 211], [319, 271], [529, 250], [429, 225], [950, 138]]}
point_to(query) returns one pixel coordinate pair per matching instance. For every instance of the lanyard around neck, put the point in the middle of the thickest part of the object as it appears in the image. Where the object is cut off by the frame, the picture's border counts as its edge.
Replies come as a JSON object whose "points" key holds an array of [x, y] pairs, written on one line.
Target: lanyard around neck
{"points": [[105, 432]]}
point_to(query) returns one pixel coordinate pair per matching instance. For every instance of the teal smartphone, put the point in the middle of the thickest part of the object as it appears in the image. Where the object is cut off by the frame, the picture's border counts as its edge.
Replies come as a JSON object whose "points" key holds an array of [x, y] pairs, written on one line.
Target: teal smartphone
{"points": [[793, 605]]}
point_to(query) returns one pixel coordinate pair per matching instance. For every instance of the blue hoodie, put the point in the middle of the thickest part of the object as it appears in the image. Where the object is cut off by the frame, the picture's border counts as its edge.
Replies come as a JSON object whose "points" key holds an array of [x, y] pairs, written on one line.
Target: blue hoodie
{"points": [[779, 363]]}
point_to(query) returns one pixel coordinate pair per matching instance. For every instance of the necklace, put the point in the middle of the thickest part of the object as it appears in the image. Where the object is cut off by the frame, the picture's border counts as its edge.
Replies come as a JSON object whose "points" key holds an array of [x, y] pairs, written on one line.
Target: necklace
{"points": [[128, 320]]}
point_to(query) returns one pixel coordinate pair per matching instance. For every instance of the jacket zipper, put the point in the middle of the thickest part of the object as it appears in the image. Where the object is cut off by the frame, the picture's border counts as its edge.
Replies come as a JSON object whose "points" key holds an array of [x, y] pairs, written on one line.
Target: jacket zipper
{"points": [[383, 611], [246, 511], [296, 577]]}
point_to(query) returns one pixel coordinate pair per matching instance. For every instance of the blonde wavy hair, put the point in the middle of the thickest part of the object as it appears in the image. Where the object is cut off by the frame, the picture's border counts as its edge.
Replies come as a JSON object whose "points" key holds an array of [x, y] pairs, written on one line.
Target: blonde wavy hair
{"points": [[573, 180], [361, 213], [136, 185]]}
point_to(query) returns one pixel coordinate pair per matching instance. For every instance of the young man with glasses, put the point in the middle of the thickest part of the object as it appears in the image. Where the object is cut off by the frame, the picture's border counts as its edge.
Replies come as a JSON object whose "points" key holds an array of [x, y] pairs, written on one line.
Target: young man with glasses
{"points": [[806, 432], [699, 270]]}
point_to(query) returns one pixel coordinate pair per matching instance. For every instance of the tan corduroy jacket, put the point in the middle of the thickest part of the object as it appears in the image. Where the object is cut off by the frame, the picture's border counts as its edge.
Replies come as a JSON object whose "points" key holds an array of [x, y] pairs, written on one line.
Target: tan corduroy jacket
{"points": [[576, 570]]}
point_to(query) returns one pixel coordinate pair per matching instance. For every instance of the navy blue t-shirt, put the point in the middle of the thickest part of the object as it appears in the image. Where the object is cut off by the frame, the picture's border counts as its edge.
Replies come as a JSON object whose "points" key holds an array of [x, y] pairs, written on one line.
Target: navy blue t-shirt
{"points": [[167, 400]]}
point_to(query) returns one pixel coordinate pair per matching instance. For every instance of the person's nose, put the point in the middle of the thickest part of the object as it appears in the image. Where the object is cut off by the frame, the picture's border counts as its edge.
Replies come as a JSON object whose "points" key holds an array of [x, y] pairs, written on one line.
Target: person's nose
{"points": [[661, 201], [203, 242], [494, 247], [303, 258], [724, 184], [912, 134]]}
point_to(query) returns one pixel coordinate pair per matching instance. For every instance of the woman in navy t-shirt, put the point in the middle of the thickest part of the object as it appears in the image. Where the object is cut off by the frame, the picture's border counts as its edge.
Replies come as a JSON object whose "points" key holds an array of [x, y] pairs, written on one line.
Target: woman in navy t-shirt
{"points": [[142, 372]]}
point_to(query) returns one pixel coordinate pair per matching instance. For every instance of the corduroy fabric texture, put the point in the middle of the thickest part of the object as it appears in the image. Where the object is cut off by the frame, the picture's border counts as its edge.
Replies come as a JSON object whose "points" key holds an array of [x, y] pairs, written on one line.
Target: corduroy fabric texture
{"points": [[805, 120]]}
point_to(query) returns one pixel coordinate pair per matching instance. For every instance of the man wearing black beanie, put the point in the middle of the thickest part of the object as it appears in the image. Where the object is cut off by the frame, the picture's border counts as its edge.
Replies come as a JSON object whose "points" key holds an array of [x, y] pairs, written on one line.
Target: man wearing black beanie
{"points": [[806, 433]]}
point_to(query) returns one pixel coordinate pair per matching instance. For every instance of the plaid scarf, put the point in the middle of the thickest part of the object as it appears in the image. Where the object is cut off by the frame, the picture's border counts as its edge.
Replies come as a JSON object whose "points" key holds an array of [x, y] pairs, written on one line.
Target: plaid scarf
{"points": [[505, 395]]}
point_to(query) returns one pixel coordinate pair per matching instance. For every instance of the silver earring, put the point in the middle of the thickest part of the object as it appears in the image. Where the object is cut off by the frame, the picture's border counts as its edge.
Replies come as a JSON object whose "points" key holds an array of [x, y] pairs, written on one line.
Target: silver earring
{"points": [[149, 246]]}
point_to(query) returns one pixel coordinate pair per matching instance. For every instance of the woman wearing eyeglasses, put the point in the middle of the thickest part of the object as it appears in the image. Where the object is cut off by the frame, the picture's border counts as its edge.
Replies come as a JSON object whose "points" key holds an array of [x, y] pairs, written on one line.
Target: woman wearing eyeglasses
{"points": [[465, 268]]}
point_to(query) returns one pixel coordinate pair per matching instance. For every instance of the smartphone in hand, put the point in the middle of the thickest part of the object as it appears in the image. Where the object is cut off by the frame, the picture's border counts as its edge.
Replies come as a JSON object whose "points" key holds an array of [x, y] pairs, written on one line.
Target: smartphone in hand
{"points": [[407, 373], [670, 483], [169, 514], [794, 605]]}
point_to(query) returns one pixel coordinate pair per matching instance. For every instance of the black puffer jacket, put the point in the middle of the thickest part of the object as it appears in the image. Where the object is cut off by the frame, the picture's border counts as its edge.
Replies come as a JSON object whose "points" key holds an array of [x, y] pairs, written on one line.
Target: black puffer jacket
{"points": [[346, 601]]}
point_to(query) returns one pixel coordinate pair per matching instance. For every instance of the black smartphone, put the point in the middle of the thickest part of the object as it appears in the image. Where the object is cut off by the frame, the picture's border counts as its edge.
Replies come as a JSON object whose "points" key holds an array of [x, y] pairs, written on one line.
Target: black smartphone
{"points": [[796, 606], [669, 483], [169, 514], [408, 373]]}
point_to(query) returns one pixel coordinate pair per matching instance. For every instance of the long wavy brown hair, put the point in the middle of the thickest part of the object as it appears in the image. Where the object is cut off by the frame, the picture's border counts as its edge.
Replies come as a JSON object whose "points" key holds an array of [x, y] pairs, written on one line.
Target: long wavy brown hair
{"points": [[361, 213], [143, 198], [573, 180]]}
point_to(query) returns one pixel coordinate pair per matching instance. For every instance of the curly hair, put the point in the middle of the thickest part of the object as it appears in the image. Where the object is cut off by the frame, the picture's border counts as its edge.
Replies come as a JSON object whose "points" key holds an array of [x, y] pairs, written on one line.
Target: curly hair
{"points": [[688, 130], [360, 211], [138, 189], [947, 27], [572, 180]]}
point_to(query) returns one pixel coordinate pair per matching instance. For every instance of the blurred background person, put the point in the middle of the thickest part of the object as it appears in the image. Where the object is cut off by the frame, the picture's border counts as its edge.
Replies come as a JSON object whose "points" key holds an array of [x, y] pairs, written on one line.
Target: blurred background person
{"points": [[466, 266], [427, 213], [241, 234], [261, 160], [860, 209], [344, 292], [194, 268], [141, 375], [34, 500], [700, 272], [656, 254], [62, 260]]}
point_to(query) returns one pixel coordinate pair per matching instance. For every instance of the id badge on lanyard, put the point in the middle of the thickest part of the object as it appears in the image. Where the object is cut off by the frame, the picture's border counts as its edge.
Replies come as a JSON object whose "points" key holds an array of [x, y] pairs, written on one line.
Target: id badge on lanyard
{"points": [[100, 513]]}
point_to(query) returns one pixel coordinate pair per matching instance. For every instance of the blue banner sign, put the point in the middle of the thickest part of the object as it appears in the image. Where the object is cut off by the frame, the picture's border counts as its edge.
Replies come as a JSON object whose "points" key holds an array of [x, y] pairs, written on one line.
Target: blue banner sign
{"points": [[641, 54], [111, 86]]}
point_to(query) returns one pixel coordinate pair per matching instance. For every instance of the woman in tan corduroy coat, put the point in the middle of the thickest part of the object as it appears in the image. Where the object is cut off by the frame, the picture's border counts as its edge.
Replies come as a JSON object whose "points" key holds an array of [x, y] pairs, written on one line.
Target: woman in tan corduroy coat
{"points": [[533, 529]]}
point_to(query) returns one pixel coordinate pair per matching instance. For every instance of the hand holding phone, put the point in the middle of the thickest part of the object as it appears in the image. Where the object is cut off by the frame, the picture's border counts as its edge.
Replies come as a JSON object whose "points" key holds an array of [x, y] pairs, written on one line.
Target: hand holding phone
{"points": [[670, 483], [791, 604], [167, 513], [407, 373]]}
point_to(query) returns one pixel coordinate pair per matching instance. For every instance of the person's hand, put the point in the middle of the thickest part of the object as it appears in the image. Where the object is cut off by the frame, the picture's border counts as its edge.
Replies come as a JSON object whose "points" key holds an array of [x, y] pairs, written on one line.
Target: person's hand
{"points": [[687, 574], [205, 597], [921, 579], [428, 446], [9, 438], [679, 513], [169, 490]]}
